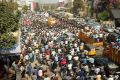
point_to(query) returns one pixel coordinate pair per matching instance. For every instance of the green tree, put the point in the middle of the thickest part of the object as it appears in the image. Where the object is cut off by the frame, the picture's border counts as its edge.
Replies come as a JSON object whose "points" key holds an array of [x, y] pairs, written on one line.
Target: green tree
{"points": [[8, 20], [103, 15], [25, 8], [46, 7], [12, 5], [8, 23], [18, 14], [7, 41], [77, 5]]}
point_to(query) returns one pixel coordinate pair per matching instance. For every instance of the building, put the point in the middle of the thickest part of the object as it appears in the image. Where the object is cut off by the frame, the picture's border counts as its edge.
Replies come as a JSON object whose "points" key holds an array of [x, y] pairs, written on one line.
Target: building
{"points": [[115, 14], [30, 3]]}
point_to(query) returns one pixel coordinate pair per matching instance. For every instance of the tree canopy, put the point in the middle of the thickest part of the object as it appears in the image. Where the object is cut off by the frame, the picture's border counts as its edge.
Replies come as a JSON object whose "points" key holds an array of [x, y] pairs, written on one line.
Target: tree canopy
{"points": [[8, 20], [103, 15], [7, 41], [77, 4], [25, 8], [8, 23]]}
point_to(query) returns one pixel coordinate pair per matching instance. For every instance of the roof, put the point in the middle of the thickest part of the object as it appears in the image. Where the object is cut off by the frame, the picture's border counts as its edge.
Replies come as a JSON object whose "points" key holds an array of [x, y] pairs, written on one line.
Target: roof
{"points": [[116, 13], [14, 50]]}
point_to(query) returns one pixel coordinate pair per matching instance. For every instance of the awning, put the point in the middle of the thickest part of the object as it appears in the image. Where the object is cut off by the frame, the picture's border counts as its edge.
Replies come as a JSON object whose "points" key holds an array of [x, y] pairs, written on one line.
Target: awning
{"points": [[16, 49], [116, 13]]}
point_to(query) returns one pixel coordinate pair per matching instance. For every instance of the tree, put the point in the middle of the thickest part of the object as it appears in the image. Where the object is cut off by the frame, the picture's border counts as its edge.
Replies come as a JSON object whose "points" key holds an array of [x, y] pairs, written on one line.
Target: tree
{"points": [[7, 41], [8, 20], [8, 23], [46, 7], [103, 15], [77, 5], [12, 5], [25, 8], [18, 14]]}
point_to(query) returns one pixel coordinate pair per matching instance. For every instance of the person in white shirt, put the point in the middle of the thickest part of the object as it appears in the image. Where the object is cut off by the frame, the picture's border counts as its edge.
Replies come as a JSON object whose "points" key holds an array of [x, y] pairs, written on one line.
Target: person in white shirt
{"points": [[75, 45], [78, 49], [97, 70], [47, 78], [111, 77], [53, 53], [59, 50], [72, 51], [36, 51], [69, 57], [26, 57], [66, 42], [61, 42], [40, 73], [69, 66], [76, 58]]}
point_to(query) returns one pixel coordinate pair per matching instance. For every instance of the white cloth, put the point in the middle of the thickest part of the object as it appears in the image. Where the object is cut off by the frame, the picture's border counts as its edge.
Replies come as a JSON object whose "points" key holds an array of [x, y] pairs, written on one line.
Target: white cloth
{"points": [[69, 66], [26, 57], [76, 58], [78, 49], [111, 78], [97, 70], [53, 53], [37, 51], [75, 44], [47, 78], [100, 35], [66, 42], [86, 68], [22, 68], [40, 73], [59, 50], [69, 57], [61, 42], [47, 34]]}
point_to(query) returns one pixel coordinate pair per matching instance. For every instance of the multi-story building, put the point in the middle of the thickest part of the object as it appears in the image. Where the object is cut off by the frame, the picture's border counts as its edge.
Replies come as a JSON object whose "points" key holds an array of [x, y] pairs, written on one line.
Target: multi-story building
{"points": [[30, 3]]}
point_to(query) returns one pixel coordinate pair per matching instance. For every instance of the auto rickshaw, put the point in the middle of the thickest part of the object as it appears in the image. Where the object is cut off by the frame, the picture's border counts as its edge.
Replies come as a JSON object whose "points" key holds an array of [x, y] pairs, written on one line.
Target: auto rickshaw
{"points": [[91, 49]]}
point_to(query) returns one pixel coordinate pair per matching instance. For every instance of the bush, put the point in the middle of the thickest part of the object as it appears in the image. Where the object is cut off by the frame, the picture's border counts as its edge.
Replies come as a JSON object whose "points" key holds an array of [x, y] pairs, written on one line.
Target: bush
{"points": [[103, 15], [8, 23], [7, 41]]}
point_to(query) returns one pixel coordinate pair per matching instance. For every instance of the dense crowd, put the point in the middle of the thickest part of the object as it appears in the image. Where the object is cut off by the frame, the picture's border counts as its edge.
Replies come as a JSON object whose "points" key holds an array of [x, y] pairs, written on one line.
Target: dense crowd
{"points": [[59, 53]]}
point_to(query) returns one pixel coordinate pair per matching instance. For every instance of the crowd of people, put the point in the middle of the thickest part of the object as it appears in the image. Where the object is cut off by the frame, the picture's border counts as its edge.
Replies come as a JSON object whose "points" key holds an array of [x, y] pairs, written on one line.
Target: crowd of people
{"points": [[55, 53]]}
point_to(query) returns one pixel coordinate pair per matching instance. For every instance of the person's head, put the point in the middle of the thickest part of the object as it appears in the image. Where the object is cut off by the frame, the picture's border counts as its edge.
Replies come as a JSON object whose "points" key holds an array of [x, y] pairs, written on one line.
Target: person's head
{"points": [[35, 64], [33, 73]]}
